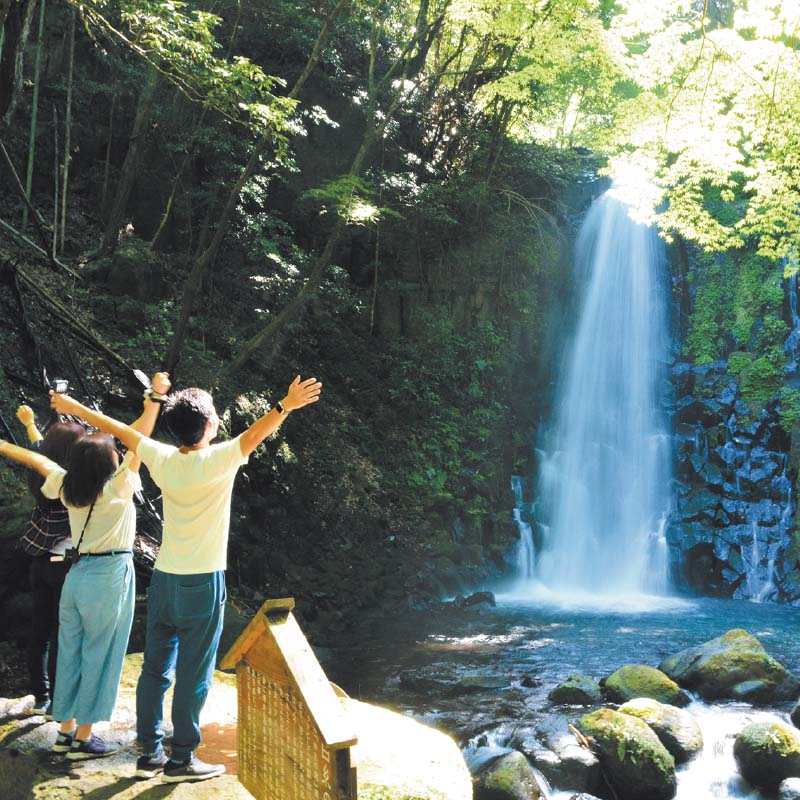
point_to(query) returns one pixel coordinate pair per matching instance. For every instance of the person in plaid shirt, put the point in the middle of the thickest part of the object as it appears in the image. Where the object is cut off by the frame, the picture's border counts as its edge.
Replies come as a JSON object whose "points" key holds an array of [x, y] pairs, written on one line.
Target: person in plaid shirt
{"points": [[46, 539]]}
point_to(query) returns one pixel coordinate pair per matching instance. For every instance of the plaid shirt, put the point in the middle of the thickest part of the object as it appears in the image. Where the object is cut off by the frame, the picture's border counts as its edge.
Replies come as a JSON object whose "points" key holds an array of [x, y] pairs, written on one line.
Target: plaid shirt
{"points": [[48, 527]]}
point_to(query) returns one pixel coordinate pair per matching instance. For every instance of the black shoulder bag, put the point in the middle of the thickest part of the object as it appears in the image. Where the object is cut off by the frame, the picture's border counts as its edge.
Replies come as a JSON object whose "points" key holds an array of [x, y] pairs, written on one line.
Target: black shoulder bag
{"points": [[72, 555]]}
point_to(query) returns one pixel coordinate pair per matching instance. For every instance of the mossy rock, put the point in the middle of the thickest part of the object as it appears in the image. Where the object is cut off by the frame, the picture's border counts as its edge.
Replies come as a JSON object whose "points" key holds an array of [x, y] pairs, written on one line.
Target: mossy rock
{"points": [[577, 690], [639, 680], [635, 763], [768, 753], [511, 777], [676, 728], [733, 666]]}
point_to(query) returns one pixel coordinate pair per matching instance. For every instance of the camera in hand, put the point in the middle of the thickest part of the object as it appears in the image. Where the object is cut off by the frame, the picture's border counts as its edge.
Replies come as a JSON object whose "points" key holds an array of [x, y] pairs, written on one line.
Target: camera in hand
{"points": [[72, 555], [60, 385]]}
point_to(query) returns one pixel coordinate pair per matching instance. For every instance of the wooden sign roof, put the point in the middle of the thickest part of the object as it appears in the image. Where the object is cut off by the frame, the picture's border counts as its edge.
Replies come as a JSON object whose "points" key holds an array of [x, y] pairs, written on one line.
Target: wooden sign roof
{"points": [[284, 640]]}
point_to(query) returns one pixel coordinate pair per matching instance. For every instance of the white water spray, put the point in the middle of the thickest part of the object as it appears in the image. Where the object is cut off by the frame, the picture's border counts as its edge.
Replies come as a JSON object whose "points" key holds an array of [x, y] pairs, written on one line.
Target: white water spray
{"points": [[604, 480]]}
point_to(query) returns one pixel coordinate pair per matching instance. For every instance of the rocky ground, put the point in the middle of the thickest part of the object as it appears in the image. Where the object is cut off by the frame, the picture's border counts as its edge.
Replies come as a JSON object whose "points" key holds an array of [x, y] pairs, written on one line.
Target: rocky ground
{"points": [[396, 758]]}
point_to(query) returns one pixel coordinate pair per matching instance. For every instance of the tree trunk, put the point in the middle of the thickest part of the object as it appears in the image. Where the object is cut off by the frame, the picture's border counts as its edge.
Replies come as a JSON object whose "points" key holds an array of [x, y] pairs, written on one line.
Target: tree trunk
{"points": [[16, 21], [34, 113], [67, 131], [130, 167], [202, 263]]}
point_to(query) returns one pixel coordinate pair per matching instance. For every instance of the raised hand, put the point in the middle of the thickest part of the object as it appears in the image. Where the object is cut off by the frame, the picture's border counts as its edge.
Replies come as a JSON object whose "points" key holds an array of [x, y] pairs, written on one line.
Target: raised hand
{"points": [[64, 404], [25, 415], [161, 383], [302, 393]]}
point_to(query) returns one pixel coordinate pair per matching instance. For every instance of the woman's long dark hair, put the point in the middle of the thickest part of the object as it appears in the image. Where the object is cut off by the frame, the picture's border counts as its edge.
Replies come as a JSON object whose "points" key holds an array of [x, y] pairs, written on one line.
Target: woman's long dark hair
{"points": [[56, 445], [92, 461]]}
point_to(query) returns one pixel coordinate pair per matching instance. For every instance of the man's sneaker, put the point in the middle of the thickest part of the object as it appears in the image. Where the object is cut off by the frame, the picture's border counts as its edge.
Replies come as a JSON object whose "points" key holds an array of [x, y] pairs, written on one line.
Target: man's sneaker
{"points": [[63, 742], [93, 747], [150, 766], [191, 770]]}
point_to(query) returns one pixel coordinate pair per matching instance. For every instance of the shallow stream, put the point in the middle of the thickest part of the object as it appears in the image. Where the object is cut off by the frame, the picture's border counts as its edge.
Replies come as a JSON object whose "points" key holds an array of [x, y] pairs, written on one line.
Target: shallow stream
{"points": [[514, 654]]}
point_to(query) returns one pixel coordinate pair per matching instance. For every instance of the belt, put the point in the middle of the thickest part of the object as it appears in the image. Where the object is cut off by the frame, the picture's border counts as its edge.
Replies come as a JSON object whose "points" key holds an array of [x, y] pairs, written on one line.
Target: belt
{"points": [[107, 553]]}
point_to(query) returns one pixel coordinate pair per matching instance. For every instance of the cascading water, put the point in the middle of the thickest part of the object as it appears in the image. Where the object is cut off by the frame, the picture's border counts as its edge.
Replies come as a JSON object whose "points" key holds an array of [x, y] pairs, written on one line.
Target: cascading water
{"points": [[604, 480]]}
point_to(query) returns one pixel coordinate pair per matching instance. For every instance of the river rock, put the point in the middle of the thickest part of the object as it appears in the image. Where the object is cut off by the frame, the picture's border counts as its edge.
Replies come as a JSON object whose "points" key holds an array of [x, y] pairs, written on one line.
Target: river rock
{"points": [[735, 666], [676, 728], [635, 763], [510, 777], [577, 690], [639, 680], [553, 749], [794, 715], [767, 753], [789, 789]]}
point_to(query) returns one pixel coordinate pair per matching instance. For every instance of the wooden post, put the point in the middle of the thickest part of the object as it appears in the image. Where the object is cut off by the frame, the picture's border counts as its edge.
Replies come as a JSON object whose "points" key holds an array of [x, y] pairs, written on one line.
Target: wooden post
{"points": [[294, 734]]}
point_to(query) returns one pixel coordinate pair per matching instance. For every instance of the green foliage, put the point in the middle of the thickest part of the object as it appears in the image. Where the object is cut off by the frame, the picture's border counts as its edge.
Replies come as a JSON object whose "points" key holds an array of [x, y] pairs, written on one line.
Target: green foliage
{"points": [[790, 407], [454, 389], [762, 379], [738, 362], [705, 339]]}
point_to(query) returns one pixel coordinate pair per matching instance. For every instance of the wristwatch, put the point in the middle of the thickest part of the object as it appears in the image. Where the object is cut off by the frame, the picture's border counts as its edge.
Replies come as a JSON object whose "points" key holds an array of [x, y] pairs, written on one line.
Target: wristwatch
{"points": [[155, 396], [280, 408]]}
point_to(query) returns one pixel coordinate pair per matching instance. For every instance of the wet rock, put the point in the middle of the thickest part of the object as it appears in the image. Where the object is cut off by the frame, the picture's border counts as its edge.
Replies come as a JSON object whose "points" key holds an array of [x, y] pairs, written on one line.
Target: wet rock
{"points": [[734, 665], [583, 796], [445, 683], [789, 789], [676, 728], [768, 753], [640, 680], [577, 690], [553, 749], [511, 777], [480, 598], [794, 716], [634, 762]]}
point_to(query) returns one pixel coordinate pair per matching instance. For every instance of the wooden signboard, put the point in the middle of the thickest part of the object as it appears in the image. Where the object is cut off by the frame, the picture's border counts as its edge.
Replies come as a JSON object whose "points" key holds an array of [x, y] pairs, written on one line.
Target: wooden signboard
{"points": [[294, 736]]}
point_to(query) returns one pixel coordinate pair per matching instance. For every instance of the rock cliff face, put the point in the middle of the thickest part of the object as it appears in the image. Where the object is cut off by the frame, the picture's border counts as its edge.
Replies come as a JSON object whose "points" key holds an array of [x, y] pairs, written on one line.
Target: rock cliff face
{"points": [[732, 530]]}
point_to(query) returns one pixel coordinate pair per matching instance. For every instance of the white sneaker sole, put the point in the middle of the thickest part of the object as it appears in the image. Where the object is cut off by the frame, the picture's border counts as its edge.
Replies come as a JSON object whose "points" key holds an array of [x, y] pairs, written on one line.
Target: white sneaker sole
{"points": [[191, 778], [61, 748], [146, 774], [73, 756]]}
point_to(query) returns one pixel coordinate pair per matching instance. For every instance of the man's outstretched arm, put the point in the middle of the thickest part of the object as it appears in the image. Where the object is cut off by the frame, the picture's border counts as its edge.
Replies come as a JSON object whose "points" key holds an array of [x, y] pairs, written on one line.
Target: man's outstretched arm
{"points": [[299, 394]]}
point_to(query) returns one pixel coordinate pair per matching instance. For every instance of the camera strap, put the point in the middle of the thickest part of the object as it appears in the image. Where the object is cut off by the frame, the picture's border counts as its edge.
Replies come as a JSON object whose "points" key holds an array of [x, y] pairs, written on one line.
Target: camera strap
{"points": [[91, 508]]}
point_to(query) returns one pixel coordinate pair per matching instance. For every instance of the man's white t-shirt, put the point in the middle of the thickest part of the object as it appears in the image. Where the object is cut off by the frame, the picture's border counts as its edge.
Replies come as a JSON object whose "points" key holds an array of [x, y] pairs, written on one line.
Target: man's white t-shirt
{"points": [[113, 522], [196, 489]]}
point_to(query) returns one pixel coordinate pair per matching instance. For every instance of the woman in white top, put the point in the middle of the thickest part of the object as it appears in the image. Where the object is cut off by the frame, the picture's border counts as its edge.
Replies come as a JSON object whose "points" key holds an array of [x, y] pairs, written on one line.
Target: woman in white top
{"points": [[97, 601]]}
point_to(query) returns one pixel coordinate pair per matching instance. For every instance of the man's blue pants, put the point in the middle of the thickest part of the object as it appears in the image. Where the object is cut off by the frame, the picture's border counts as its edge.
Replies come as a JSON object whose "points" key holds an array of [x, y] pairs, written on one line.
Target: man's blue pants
{"points": [[184, 623]]}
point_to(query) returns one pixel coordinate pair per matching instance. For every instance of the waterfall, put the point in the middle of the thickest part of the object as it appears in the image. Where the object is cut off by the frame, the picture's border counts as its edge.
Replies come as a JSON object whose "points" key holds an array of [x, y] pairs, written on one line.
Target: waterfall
{"points": [[604, 490]]}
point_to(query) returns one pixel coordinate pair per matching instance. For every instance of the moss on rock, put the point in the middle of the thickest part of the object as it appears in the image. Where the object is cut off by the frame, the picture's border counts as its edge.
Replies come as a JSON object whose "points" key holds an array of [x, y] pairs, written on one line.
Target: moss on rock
{"points": [[676, 728], [578, 690], [734, 666], [640, 680], [633, 760], [768, 753], [509, 778]]}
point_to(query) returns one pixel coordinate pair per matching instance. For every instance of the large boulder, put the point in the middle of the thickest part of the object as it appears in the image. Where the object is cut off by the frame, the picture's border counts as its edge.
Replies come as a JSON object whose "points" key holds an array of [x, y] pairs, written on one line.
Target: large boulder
{"points": [[553, 749], [635, 763], [510, 777], [676, 728], [577, 690], [733, 666], [639, 680], [767, 753]]}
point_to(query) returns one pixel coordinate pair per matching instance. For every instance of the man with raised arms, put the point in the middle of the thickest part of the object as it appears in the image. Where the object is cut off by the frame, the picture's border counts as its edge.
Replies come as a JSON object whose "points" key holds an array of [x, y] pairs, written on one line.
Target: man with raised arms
{"points": [[186, 599]]}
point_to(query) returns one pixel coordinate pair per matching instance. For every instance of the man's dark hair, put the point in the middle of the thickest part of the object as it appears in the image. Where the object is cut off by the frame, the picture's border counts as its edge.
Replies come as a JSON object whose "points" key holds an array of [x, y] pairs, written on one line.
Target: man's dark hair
{"points": [[187, 413], [92, 461], [56, 445]]}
